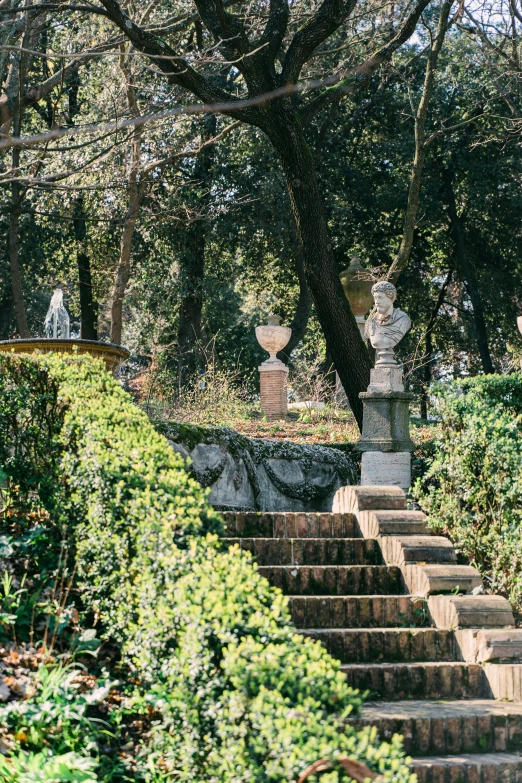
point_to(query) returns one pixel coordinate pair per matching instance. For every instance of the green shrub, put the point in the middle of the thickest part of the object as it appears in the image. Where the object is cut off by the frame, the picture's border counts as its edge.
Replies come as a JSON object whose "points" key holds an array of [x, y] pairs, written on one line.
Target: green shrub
{"points": [[48, 768], [472, 490], [206, 645]]}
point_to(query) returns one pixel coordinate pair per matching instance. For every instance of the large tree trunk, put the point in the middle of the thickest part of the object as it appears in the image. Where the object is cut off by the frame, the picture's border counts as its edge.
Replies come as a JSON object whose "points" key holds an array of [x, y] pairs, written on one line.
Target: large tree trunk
{"points": [[342, 335], [88, 307], [303, 307], [467, 273], [192, 261]]}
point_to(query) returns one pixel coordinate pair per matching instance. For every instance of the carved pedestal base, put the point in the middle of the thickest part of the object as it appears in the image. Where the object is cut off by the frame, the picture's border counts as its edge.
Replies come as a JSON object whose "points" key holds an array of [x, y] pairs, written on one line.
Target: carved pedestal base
{"points": [[386, 423], [385, 440]]}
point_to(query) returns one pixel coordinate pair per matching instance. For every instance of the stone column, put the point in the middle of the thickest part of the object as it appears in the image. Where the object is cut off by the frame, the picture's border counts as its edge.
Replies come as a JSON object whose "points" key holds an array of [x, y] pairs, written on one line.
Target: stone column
{"points": [[385, 442], [273, 377]]}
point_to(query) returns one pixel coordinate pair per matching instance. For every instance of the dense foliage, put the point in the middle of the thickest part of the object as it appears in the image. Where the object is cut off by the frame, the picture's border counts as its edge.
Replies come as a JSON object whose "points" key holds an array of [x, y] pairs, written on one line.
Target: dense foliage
{"points": [[472, 490], [200, 675], [213, 226]]}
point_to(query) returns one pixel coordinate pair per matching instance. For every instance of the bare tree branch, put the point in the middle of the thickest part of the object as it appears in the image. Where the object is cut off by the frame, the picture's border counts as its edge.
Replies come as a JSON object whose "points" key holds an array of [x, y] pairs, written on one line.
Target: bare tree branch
{"points": [[359, 76], [173, 66]]}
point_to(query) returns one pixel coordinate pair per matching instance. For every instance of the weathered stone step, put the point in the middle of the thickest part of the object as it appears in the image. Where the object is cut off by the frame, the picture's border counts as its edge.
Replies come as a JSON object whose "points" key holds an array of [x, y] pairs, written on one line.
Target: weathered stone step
{"points": [[473, 768], [504, 680], [358, 611], [430, 579], [402, 550], [369, 498], [351, 645], [311, 551], [392, 523], [396, 681], [334, 580], [250, 524], [434, 727], [470, 611]]}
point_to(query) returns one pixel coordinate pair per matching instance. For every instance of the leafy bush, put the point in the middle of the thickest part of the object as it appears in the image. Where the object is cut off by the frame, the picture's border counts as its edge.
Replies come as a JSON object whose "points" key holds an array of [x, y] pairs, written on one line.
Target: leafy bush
{"points": [[47, 768], [212, 672], [472, 490]]}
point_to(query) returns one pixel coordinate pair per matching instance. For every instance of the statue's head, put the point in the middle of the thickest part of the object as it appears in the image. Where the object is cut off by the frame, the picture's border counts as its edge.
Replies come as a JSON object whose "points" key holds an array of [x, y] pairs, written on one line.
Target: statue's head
{"points": [[384, 295]]}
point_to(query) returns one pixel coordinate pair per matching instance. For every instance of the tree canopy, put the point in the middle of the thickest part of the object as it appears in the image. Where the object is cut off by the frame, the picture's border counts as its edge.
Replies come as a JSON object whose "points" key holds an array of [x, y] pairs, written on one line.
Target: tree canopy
{"points": [[182, 168]]}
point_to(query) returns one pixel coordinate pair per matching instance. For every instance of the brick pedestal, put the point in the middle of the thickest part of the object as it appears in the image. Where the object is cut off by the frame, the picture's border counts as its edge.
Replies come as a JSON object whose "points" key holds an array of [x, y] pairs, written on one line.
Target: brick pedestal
{"points": [[273, 377]]}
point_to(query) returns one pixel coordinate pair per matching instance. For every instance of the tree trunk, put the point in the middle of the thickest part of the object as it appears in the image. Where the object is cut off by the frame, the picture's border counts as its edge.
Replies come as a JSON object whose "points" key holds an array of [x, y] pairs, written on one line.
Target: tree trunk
{"points": [[16, 277], [88, 308], [14, 261], [335, 316], [192, 272], [122, 273], [429, 347], [303, 308], [192, 261], [467, 272]]}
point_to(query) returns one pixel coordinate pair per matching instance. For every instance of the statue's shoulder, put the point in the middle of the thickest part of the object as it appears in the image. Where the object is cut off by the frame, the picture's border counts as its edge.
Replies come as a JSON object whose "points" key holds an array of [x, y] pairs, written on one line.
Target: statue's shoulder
{"points": [[402, 318]]}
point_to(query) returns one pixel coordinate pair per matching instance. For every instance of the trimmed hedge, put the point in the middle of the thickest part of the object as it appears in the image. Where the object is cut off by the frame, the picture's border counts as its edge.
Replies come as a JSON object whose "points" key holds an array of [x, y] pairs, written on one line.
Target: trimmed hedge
{"points": [[226, 691], [472, 490]]}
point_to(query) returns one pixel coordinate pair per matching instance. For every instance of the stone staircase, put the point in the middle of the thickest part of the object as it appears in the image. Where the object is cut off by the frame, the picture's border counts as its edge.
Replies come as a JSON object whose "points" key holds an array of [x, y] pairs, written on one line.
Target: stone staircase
{"points": [[441, 665]]}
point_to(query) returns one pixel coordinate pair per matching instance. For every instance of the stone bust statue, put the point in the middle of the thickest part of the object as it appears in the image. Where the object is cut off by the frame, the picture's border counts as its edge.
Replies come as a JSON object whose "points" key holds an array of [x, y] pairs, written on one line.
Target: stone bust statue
{"points": [[386, 325]]}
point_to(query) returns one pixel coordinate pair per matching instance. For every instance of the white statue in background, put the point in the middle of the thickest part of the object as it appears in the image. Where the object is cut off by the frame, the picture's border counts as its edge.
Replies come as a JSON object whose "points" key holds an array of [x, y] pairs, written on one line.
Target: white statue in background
{"points": [[385, 326], [57, 323]]}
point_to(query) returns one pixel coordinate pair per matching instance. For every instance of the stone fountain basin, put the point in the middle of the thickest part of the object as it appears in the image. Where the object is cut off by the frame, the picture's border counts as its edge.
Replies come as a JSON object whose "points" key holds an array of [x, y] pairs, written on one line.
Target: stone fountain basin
{"points": [[111, 354]]}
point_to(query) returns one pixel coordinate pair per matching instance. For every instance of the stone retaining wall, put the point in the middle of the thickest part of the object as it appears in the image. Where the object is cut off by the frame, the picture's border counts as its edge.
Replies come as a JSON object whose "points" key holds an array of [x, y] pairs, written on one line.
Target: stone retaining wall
{"points": [[247, 474]]}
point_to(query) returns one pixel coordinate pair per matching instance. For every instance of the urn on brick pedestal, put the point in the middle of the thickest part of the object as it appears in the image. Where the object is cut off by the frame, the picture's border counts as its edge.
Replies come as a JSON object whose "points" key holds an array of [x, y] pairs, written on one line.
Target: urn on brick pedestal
{"points": [[273, 373]]}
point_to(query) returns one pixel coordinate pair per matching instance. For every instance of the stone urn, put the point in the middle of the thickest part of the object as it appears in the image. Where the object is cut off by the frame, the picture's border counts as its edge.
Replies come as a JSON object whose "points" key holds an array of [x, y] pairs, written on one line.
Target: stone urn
{"points": [[357, 284], [273, 337]]}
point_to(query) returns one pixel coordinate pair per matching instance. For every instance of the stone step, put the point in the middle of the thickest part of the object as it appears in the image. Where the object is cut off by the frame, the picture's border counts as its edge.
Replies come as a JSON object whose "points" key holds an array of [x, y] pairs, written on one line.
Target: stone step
{"points": [[434, 727], [311, 551], [488, 645], [504, 681], [397, 681], [423, 579], [358, 611], [403, 550], [472, 768], [364, 645], [252, 524], [334, 580], [392, 523], [355, 498], [470, 611]]}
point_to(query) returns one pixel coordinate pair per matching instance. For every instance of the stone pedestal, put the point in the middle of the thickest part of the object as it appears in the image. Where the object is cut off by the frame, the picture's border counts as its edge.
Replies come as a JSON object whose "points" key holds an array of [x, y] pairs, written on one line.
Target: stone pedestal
{"points": [[385, 442], [386, 468], [273, 376]]}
